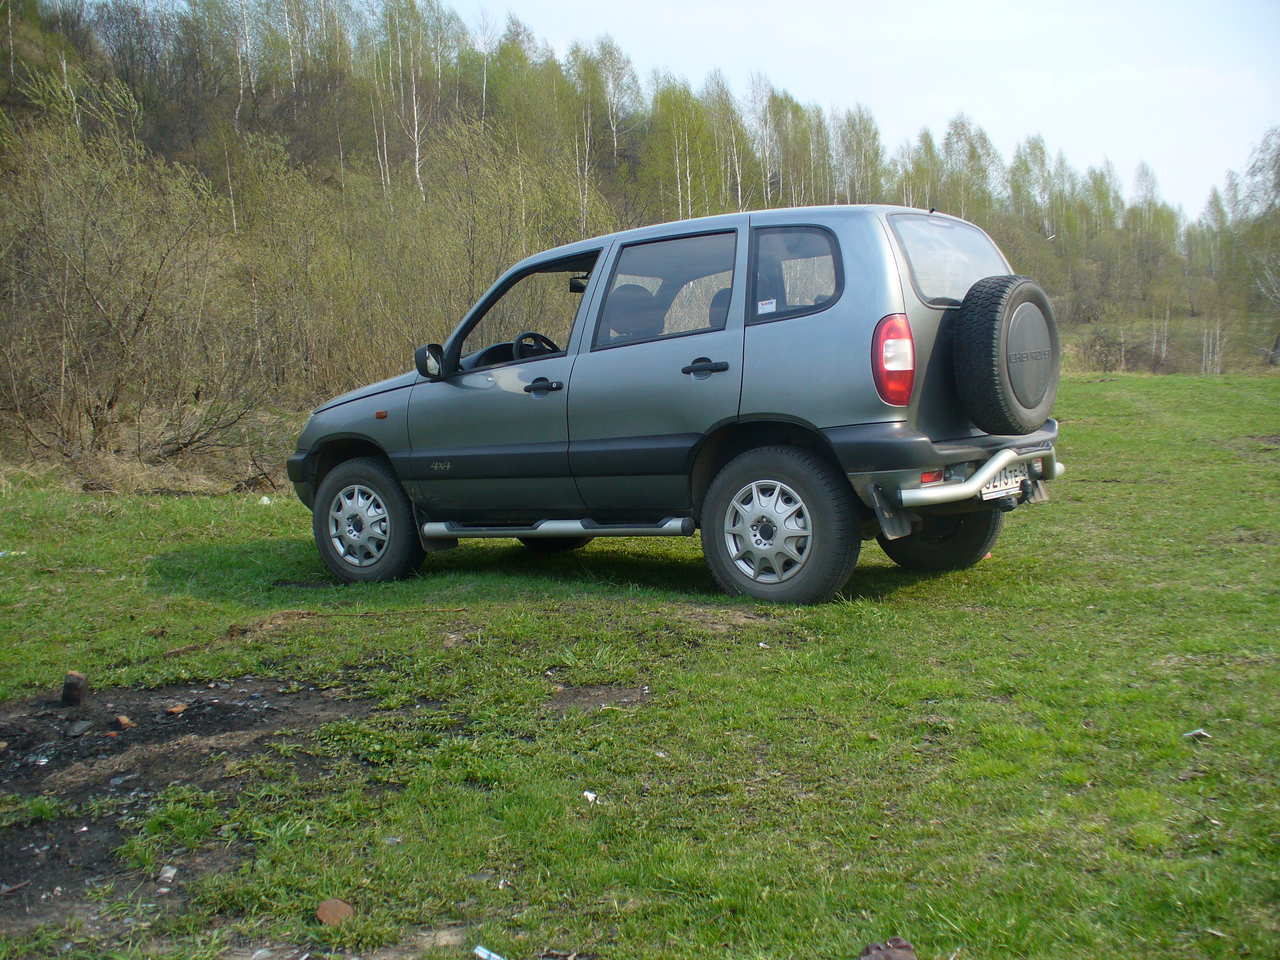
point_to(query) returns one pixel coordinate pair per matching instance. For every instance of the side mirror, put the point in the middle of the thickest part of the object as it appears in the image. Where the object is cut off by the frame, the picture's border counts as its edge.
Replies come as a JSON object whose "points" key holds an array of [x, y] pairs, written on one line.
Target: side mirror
{"points": [[430, 361]]}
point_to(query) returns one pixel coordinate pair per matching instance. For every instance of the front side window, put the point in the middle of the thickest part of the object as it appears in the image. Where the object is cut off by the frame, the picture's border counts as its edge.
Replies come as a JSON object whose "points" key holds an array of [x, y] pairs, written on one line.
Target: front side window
{"points": [[797, 271], [946, 256], [666, 288], [532, 318]]}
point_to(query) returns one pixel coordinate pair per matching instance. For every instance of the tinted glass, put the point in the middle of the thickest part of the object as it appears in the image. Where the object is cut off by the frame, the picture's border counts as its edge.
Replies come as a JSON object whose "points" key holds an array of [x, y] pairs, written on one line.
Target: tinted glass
{"points": [[668, 287], [946, 257], [795, 271]]}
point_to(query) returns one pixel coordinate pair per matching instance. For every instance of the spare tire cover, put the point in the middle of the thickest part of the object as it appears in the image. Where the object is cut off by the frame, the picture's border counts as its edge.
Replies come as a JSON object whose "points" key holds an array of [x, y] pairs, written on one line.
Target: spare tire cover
{"points": [[1006, 355]]}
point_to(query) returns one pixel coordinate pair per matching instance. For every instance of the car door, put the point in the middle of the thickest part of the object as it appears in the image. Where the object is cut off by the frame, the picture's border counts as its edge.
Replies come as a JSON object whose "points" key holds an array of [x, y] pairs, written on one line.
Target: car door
{"points": [[489, 441], [658, 368]]}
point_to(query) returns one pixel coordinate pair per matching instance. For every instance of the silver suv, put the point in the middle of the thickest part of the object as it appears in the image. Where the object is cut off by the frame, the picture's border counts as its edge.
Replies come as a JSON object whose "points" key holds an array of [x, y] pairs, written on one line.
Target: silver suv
{"points": [[788, 382]]}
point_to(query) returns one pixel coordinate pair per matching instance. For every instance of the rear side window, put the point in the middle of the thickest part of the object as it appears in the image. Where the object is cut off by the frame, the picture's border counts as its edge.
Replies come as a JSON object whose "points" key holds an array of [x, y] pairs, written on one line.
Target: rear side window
{"points": [[666, 288], [946, 257], [796, 271]]}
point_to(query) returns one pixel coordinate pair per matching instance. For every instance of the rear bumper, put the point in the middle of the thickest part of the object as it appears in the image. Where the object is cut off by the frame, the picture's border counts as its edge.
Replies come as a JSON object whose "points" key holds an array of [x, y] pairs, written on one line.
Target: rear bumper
{"points": [[970, 487], [875, 447], [884, 462]]}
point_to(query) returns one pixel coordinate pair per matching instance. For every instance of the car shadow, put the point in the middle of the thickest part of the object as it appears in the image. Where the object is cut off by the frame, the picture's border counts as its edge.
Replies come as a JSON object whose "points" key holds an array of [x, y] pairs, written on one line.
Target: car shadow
{"points": [[276, 572]]}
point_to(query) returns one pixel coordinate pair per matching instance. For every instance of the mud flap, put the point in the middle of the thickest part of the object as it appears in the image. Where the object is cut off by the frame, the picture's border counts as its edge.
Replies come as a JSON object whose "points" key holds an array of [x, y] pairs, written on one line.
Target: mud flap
{"points": [[894, 523]]}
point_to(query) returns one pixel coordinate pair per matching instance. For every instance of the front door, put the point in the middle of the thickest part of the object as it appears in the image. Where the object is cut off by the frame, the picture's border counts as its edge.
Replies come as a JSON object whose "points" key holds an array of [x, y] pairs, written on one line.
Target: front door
{"points": [[660, 367], [490, 441]]}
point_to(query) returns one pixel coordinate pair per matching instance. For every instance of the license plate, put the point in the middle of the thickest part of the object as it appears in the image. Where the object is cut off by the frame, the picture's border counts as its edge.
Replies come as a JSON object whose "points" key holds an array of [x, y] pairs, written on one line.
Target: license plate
{"points": [[1007, 481]]}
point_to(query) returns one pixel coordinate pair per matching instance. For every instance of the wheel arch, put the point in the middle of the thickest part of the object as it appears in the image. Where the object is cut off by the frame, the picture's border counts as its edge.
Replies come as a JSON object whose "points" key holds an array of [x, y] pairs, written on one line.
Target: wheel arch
{"points": [[338, 449], [729, 440]]}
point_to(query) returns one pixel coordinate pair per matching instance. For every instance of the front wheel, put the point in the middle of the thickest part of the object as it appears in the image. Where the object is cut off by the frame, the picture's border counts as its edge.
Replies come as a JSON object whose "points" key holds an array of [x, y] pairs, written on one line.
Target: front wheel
{"points": [[947, 542], [363, 523], [778, 523]]}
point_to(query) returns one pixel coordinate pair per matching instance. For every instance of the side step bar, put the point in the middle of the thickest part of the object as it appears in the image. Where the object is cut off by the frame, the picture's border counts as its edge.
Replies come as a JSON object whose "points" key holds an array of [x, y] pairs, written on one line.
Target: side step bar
{"points": [[670, 527]]}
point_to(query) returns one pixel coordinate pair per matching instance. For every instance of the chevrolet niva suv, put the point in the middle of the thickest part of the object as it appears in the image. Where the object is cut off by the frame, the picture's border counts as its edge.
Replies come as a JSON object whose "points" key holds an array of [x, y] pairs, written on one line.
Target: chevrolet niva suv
{"points": [[788, 382]]}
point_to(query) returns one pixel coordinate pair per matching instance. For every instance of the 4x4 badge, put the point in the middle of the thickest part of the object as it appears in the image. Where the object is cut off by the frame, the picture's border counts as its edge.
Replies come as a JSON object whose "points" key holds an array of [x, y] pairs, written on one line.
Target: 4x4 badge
{"points": [[441, 465]]}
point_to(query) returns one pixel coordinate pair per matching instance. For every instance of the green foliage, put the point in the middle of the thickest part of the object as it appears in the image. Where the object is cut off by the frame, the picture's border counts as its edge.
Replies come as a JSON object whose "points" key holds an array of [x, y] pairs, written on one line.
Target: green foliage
{"points": [[212, 203]]}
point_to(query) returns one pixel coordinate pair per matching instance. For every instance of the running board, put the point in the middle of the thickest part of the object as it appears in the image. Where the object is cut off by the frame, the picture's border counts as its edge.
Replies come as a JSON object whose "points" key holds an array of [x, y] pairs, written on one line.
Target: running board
{"points": [[670, 527]]}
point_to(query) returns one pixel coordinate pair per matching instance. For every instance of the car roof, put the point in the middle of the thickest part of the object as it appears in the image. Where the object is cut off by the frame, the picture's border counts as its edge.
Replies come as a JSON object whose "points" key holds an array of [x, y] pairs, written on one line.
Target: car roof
{"points": [[726, 221]]}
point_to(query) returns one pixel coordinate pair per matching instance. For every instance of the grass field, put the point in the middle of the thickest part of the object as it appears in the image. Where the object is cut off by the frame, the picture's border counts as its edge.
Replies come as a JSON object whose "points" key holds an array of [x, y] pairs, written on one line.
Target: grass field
{"points": [[990, 763]]}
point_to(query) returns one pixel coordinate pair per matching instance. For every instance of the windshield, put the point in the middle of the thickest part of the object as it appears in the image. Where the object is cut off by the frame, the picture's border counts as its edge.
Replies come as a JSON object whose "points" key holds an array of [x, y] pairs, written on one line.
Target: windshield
{"points": [[946, 256]]}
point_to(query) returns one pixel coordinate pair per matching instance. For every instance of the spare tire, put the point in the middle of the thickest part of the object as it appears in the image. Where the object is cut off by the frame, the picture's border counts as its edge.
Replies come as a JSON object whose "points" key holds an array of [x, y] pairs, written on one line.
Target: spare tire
{"points": [[1006, 355]]}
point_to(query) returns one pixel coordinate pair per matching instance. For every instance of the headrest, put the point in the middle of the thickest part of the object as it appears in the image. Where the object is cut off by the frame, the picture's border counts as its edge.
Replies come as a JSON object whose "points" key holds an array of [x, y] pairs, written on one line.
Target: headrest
{"points": [[718, 313], [631, 313]]}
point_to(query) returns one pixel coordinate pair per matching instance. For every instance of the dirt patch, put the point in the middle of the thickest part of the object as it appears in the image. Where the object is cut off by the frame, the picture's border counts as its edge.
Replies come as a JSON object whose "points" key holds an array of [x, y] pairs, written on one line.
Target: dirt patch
{"points": [[722, 619], [591, 697], [1271, 440], [453, 938], [68, 749], [100, 768], [1241, 535]]}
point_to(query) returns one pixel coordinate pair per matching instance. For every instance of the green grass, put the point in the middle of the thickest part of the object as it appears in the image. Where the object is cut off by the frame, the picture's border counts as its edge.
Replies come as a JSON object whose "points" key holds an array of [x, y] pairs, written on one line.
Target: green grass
{"points": [[990, 761]]}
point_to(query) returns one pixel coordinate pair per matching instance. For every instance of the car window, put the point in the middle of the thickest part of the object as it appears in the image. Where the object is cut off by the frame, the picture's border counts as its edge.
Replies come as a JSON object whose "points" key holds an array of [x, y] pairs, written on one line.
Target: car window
{"points": [[796, 271], [543, 301], [666, 288], [946, 257]]}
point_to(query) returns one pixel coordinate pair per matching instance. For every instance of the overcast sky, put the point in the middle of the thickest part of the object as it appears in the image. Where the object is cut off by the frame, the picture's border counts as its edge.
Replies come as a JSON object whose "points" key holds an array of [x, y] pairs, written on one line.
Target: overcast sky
{"points": [[1189, 87]]}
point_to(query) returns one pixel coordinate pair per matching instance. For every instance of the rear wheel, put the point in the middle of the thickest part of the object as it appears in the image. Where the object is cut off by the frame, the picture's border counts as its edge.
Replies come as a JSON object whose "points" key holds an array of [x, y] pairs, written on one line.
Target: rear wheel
{"points": [[363, 523], [778, 523], [554, 544], [946, 542]]}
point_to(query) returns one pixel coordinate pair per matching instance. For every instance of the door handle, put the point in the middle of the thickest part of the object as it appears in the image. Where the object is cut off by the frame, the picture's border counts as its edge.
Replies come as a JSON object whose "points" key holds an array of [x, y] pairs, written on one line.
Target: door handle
{"points": [[542, 385], [705, 365]]}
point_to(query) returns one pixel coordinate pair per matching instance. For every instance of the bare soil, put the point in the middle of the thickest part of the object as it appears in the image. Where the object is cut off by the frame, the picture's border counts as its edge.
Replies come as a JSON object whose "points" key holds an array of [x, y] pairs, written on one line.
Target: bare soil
{"points": [[84, 759], [595, 697]]}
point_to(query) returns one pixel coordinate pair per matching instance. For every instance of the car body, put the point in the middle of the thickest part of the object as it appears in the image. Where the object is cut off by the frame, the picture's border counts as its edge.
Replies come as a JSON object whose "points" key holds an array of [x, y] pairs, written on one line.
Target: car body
{"points": [[600, 388]]}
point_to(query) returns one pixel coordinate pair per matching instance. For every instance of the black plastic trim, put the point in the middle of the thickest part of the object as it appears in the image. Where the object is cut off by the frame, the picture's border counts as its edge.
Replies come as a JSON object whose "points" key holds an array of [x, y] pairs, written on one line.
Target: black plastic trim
{"points": [[873, 447], [506, 461], [298, 467], [663, 455]]}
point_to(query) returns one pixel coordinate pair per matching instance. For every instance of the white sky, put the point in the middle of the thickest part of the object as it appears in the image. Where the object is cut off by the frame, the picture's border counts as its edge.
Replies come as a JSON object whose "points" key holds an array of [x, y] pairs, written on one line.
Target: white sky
{"points": [[1189, 87]]}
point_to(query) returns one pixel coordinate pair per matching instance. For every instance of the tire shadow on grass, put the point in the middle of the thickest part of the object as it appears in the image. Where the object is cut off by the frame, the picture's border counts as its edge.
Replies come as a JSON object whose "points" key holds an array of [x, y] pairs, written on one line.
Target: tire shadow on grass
{"points": [[274, 573]]}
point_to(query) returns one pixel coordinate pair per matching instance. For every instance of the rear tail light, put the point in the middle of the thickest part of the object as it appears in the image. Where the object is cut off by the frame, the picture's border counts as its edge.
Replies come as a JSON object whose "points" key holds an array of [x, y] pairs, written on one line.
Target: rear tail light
{"points": [[893, 360], [931, 476]]}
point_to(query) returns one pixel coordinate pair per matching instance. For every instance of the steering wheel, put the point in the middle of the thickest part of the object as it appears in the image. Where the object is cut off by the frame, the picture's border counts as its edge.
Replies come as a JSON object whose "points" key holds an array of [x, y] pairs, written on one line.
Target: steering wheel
{"points": [[534, 340]]}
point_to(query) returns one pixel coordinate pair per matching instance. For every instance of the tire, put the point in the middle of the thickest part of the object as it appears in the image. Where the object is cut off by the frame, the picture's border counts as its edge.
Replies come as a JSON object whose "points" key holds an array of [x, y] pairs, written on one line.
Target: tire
{"points": [[789, 489], [946, 542], [1006, 355], [369, 536], [554, 544]]}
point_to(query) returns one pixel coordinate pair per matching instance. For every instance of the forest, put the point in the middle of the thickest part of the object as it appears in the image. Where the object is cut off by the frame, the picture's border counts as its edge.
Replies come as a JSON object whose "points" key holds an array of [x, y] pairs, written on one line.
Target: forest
{"points": [[219, 211]]}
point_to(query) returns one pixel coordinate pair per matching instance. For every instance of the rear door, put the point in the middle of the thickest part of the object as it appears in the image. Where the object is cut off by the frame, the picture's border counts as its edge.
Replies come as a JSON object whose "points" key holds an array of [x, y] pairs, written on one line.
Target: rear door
{"points": [[658, 368]]}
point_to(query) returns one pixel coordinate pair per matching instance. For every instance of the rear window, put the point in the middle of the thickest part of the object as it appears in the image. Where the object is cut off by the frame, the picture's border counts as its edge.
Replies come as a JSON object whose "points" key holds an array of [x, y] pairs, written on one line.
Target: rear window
{"points": [[946, 257]]}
